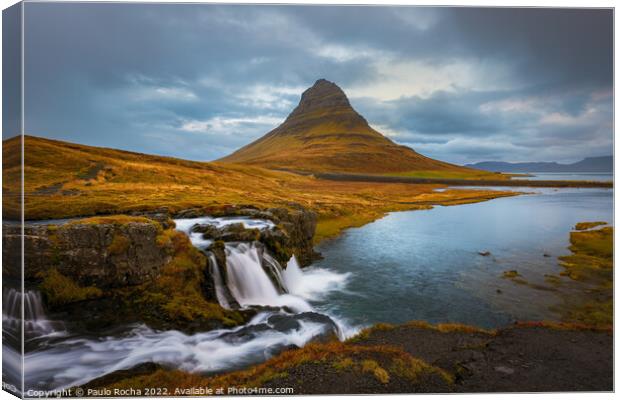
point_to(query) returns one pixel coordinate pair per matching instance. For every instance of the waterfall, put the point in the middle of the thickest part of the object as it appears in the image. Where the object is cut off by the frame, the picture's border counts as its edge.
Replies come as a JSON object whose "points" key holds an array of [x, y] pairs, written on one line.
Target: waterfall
{"points": [[293, 277], [218, 282], [250, 284], [36, 323]]}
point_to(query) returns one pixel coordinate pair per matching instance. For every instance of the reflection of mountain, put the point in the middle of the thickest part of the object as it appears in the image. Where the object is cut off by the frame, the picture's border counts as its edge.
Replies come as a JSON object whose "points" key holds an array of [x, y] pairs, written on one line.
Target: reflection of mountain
{"points": [[325, 134], [590, 164]]}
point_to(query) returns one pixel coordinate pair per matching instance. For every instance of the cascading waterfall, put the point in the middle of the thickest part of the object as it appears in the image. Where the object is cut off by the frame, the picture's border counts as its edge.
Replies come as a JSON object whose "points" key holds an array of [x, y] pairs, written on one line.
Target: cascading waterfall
{"points": [[218, 282], [36, 323], [250, 284], [253, 278]]}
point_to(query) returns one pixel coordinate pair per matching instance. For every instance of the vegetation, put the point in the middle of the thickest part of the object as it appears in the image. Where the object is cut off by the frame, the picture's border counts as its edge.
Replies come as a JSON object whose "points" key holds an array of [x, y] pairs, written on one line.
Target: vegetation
{"points": [[379, 362], [582, 226], [511, 274], [325, 134], [113, 219], [59, 290], [57, 187], [456, 174], [177, 294], [591, 264], [444, 328]]}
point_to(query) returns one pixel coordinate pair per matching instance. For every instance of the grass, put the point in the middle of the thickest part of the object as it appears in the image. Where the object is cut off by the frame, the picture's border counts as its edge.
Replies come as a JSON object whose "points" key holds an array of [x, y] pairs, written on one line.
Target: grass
{"points": [[456, 174], [591, 265], [334, 139], [511, 274], [378, 362], [113, 220], [121, 182], [366, 333], [177, 293], [582, 226], [59, 290]]}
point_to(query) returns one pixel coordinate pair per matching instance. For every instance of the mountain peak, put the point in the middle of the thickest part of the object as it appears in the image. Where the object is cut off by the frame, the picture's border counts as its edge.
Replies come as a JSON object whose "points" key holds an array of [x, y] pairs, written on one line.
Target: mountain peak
{"points": [[325, 133], [323, 95]]}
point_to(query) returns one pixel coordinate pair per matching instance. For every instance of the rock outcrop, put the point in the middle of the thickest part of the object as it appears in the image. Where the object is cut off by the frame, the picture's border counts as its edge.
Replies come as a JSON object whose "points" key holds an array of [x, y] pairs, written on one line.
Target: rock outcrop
{"points": [[101, 254], [293, 234]]}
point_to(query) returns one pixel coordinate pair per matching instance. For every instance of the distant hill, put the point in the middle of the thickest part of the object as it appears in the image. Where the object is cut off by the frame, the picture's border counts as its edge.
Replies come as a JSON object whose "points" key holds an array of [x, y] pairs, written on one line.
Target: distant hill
{"points": [[604, 164], [325, 134]]}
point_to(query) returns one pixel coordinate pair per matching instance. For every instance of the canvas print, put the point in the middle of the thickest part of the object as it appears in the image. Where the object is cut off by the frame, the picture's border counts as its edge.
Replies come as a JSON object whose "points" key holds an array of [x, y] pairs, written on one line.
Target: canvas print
{"points": [[205, 199]]}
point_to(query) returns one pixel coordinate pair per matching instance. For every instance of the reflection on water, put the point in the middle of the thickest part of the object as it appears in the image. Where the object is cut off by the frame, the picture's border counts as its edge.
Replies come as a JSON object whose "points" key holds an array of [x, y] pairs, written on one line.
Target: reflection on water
{"points": [[426, 265]]}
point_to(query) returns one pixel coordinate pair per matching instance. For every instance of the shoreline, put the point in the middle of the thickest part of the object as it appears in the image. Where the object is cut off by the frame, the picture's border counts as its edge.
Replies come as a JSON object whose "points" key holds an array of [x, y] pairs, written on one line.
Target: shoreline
{"points": [[463, 182]]}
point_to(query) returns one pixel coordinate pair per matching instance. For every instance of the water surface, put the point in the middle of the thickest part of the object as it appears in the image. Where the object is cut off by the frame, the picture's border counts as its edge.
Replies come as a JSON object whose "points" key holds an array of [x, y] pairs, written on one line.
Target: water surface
{"points": [[425, 265], [568, 176]]}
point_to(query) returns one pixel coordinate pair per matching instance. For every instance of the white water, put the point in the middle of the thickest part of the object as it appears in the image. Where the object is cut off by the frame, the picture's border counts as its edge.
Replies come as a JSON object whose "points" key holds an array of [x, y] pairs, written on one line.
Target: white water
{"points": [[185, 224], [249, 283], [36, 324], [218, 282], [78, 361], [75, 361]]}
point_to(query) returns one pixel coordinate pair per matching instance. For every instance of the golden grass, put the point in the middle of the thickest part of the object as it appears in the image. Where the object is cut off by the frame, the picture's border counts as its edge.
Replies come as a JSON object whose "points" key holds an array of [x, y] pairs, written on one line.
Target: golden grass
{"points": [[69, 180], [582, 226], [377, 361], [564, 326], [59, 290], [113, 220], [472, 174], [591, 264], [177, 292], [366, 333]]}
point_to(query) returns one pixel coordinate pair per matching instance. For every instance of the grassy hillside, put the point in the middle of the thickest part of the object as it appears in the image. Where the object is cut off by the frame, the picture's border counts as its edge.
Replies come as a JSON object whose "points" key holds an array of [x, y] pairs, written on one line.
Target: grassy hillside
{"points": [[325, 134], [66, 180]]}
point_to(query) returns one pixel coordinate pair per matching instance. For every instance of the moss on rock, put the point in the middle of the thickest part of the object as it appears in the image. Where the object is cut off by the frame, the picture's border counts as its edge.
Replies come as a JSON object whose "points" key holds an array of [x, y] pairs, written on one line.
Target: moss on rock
{"points": [[59, 290]]}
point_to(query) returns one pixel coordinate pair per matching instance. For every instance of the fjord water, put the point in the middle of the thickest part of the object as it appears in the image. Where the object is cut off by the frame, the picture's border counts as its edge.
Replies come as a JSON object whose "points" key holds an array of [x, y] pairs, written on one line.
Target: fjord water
{"points": [[425, 265]]}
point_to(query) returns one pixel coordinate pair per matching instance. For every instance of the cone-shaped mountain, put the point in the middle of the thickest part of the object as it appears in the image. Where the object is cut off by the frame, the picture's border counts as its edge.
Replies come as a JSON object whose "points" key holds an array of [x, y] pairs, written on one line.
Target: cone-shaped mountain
{"points": [[325, 134]]}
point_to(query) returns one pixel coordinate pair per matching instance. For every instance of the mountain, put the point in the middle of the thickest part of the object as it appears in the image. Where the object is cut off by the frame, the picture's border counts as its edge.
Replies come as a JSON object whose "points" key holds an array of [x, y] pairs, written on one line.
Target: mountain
{"points": [[325, 134], [603, 164]]}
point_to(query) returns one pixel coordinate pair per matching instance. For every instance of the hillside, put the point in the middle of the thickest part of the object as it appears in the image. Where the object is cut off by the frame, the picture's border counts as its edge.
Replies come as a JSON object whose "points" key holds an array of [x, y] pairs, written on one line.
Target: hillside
{"points": [[604, 164], [68, 180], [325, 134]]}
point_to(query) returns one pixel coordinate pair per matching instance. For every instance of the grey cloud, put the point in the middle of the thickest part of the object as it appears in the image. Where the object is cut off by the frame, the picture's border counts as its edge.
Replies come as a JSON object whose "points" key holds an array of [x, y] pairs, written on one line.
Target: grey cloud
{"points": [[131, 75]]}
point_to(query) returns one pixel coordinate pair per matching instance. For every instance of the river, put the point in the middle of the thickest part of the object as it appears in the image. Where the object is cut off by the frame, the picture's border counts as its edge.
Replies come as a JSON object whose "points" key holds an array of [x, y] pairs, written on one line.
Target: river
{"points": [[417, 265]]}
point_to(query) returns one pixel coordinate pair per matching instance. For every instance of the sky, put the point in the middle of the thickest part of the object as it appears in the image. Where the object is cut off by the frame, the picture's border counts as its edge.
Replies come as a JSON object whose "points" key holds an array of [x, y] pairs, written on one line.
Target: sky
{"points": [[199, 81]]}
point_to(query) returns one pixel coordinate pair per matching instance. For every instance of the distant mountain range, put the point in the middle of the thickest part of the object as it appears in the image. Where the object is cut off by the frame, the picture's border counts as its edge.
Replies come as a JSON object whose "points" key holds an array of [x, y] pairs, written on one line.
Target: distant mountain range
{"points": [[603, 164]]}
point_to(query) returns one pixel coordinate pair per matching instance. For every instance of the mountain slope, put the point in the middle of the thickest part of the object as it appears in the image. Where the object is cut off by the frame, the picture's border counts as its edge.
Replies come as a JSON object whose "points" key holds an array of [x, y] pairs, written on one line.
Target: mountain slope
{"points": [[65, 180], [603, 164], [325, 134]]}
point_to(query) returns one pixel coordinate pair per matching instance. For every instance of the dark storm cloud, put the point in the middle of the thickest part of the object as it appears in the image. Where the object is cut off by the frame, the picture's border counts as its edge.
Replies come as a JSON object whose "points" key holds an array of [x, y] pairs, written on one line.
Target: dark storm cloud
{"points": [[198, 81]]}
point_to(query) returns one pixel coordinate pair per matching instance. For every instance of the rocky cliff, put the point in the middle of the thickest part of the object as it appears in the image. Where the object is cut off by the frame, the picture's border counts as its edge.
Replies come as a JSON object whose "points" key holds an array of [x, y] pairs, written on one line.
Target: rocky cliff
{"points": [[104, 254]]}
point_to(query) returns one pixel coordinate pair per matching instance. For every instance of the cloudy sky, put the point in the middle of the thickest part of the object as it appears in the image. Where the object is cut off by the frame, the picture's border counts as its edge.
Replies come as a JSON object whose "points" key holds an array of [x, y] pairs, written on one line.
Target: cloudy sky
{"points": [[199, 81]]}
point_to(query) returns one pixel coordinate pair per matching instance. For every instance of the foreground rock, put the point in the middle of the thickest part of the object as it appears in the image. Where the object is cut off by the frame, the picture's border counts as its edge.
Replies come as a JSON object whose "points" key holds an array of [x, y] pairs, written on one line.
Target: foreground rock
{"points": [[293, 234], [104, 251], [535, 357], [418, 358]]}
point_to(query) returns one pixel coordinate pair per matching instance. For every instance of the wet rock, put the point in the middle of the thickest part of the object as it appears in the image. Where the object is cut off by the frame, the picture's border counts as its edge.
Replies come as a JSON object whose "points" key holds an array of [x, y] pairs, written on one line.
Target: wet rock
{"points": [[283, 323], [504, 370], [106, 255]]}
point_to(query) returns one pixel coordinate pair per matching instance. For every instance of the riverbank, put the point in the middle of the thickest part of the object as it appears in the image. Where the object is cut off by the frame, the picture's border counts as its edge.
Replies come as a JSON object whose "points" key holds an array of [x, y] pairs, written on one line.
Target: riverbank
{"points": [[464, 182], [68, 180], [416, 358]]}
